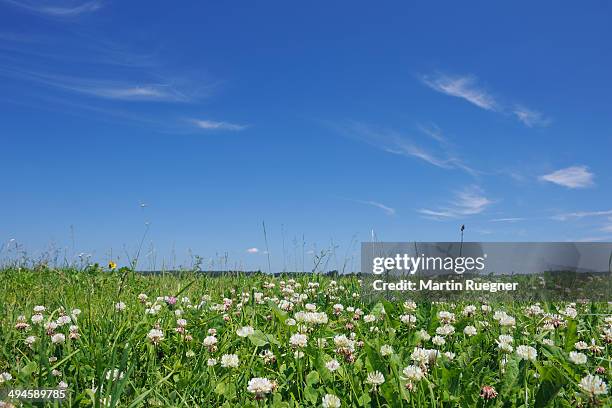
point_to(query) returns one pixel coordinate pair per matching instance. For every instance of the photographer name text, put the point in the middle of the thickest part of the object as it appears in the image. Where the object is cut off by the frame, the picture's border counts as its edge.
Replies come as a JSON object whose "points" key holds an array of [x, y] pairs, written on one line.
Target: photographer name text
{"points": [[444, 286]]}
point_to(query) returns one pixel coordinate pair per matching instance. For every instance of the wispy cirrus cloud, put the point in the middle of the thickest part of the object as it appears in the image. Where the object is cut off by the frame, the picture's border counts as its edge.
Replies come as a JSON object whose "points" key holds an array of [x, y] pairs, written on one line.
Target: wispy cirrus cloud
{"points": [[386, 209], [529, 117], [607, 227], [466, 87], [509, 219], [581, 214], [439, 154], [570, 177], [124, 89], [467, 202], [132, 91], [58, 9], [214, 125]]}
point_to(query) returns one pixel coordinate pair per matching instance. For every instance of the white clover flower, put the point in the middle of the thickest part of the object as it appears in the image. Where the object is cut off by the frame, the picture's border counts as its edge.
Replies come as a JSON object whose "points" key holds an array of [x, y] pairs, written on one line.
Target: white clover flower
{"points": [[548, 342], [211, 362], [155, 336], [331, 401], [469, 310], [577, 358], [507, 321], [526, 353], [420, 355], [369, 318], [470, 331], [58, 338], [230, 361], [260, 386], [267, 356], [413, 373], [311, 317], [593, 385], [332, 365], [446, 317], [245, 331], [51, 326], [581, 345], [37, 318], [298, 340], [386, 350], [39, 309], [438, 340], [209, 341], [5, 376], [290, 322], [534, 310], [30, 340], [62, 320], [344, 342], [450, 355], [570, 312], [445, 330], [423, 335], [408, 319], [375, 379], [120, 306], [62, 385]]}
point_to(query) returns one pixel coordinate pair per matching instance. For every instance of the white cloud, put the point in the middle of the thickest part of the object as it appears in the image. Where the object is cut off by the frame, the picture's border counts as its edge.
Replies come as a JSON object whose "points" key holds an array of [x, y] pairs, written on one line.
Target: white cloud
{"points": [[106, 88], [151, 92], [212, 125], [407, 149], [570, 177], [61, 9], [392, 142], [252, 250], [607, 228], [386, 209], [464, 87], [469, 201], [511, 219], [581, 214], [530, 118]]}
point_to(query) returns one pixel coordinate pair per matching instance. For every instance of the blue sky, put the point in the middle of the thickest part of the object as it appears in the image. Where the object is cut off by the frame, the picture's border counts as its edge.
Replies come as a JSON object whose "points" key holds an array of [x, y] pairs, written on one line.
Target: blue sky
{"points": [[325, 120]]}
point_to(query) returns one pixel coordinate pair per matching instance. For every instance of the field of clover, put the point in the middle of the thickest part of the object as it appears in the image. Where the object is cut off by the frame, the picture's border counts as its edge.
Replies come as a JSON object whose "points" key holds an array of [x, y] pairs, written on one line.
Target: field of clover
{"points": [[118, 338]]}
